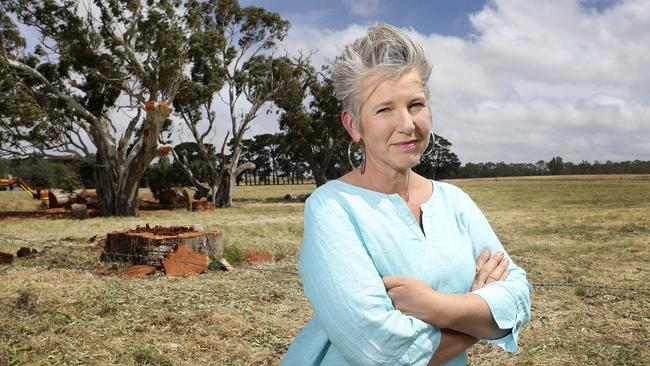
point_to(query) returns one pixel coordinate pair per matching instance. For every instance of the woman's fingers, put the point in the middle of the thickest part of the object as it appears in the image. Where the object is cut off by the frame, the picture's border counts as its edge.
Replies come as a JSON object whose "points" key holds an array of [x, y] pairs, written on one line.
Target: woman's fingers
{"points": [[504, 276], [480, 263], [499, 271], [488, 268], [392, 281], [485, 255]]}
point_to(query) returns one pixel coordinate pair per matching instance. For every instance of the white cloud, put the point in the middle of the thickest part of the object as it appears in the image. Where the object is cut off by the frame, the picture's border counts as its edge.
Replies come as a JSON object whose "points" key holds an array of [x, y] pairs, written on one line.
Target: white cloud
{"points": [[537, 79]]}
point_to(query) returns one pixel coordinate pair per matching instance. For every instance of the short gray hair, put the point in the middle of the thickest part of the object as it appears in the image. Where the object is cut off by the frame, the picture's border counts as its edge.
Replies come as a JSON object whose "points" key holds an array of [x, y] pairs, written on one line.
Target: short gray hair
{"points": [[383, 50]]}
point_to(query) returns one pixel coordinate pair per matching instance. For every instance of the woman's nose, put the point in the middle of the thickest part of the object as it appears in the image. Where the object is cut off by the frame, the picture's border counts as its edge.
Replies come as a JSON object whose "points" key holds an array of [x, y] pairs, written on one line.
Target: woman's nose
{"points": [[407, 121]]}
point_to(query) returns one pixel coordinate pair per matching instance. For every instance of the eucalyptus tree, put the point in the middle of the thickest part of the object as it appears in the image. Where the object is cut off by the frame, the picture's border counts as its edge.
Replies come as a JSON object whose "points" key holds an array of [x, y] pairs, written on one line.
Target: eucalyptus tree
{"points": [[310, 119], [96, 60], [439, 162], [233, 63]]}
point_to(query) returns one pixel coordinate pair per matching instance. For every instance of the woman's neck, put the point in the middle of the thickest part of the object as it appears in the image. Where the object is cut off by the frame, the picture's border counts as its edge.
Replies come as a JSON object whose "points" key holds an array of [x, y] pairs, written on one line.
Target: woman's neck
{"points": [[386, 180]]}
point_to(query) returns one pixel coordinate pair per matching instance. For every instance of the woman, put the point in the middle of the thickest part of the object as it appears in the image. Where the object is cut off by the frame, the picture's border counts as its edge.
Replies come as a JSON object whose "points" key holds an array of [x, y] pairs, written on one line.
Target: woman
{"points": [[397, 267]]}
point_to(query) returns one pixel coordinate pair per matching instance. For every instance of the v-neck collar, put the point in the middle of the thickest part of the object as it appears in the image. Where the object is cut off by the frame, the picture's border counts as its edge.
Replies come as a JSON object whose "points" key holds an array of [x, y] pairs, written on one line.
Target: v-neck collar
{"points": [[401, 208]]}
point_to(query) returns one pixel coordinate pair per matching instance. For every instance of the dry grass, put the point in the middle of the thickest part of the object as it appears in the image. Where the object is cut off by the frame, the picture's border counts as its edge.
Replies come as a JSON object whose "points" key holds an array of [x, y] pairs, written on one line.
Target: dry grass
{"points": [[56, 309], [17, 201]]}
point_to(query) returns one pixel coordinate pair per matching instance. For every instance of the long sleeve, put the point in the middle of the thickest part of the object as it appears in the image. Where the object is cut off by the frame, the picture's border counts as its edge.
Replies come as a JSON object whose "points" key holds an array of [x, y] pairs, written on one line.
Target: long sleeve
{"points": [[509, 300], [348, 295]]}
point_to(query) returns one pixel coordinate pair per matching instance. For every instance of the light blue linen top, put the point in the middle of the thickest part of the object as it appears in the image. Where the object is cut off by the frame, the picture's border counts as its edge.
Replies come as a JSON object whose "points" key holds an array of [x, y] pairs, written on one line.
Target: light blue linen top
{"points": [[354, 236]]}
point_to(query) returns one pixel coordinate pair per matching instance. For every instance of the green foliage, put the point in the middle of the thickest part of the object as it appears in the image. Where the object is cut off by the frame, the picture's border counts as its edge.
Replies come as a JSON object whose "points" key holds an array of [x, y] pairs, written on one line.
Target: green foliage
{"points": [[69, 182], [310, 119], [555, 165], [43, 205], [40, 172], [233, 254], [4, 168], [197, 164], [439, 163], [160, 177]]}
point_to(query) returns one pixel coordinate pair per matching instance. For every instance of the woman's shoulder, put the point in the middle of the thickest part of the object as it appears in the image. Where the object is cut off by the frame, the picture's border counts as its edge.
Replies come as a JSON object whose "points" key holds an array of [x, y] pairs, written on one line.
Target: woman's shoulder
{"points": [[447, 189], [450, 194], [337, 193], [328, 193]]}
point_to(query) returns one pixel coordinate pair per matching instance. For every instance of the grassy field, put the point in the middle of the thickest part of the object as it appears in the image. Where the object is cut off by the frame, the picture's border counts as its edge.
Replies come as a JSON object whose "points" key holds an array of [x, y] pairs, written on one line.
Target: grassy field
{"points": [[61, 308]]}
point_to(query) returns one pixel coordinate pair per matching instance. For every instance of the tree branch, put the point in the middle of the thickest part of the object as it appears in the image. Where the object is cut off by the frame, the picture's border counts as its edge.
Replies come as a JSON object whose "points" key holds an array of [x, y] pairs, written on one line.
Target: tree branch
{"points": [[71, 102]]}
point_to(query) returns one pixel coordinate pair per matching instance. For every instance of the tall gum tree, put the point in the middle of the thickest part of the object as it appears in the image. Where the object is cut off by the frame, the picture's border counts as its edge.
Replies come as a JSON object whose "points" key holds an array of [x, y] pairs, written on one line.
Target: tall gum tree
{"points": [[310, 118], [95, 59], [233, 63]]}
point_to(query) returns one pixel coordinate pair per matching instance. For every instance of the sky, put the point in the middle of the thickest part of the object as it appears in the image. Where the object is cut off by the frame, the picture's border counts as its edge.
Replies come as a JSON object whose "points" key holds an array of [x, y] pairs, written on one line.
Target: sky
{"points": [[513, 80]]}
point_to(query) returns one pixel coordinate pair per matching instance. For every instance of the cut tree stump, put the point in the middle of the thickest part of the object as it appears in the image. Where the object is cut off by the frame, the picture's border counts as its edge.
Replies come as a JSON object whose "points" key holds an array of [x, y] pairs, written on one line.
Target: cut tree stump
{"points": [[149, 245], [185, 261]]}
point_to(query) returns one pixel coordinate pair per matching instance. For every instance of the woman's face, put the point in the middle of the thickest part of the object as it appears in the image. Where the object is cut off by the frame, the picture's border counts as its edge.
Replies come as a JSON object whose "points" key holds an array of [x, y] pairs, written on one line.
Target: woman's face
{"points": [[395, 122]]}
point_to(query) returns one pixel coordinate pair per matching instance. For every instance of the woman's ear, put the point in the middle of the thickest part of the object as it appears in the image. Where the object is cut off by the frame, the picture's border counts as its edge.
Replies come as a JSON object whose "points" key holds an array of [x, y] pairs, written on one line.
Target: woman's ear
{"points": [[348, 123]]}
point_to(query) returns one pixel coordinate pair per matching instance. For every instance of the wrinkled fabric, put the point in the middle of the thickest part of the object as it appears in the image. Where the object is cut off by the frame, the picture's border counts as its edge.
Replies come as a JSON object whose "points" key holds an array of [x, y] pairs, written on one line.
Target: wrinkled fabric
{"points": [[354, 236]]}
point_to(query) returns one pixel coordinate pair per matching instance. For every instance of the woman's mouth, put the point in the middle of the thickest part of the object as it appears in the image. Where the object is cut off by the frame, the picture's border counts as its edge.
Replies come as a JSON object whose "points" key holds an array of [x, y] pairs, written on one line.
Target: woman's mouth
{"points": [[406, 145]]}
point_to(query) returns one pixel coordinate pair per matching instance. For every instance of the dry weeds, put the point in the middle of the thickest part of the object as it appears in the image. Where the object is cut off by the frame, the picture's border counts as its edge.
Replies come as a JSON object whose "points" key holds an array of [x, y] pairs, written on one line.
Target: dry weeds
{"points": [[60, 307]]}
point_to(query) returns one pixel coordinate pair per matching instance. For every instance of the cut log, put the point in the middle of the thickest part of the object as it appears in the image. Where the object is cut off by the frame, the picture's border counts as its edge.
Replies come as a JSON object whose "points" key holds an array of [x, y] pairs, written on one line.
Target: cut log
{"points": [[149, 245], [185, 261], [6, 258], [79, 211], [60, 198], [138, 270]]}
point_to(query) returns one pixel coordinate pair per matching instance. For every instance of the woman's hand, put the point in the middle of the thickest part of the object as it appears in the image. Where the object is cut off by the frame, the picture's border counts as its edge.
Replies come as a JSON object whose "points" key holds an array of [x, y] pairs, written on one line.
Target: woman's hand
{"points": [[411, 296], [490, 269]]}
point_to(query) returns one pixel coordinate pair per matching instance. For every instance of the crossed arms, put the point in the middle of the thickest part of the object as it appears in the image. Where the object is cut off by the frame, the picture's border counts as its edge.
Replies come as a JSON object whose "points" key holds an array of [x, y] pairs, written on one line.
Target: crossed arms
{"points": [[463, 318]]}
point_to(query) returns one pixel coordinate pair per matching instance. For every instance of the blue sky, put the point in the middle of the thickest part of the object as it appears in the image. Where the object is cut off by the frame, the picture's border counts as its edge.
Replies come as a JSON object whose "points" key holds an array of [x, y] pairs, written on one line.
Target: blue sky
{"points": [[434, 16]]}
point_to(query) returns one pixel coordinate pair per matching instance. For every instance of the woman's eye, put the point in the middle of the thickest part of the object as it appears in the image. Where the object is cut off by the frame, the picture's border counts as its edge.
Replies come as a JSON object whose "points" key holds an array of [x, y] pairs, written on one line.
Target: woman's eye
{"points": [[383, 110], [417, 105]]}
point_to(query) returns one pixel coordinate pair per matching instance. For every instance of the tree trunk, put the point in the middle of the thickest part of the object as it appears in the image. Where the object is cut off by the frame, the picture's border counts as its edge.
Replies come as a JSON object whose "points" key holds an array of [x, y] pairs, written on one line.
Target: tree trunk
{"points": [[117, 178], [111, 201], [223, 197], [319, 175]]}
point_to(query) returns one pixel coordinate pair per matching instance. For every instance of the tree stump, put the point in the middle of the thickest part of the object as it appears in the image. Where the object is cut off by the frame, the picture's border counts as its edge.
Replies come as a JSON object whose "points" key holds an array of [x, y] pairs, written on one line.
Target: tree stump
{"points": [[149, 245]]}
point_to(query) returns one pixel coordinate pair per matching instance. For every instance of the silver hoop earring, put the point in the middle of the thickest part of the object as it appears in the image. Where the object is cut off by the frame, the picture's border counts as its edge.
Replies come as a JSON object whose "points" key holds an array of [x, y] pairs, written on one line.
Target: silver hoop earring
{"points": [[350, 155], [433, 145]]}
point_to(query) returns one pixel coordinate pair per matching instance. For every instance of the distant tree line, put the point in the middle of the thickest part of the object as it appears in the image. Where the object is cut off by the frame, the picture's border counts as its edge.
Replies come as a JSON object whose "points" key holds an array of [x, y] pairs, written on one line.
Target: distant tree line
{"points": [[274, 164], [555, 166]]}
